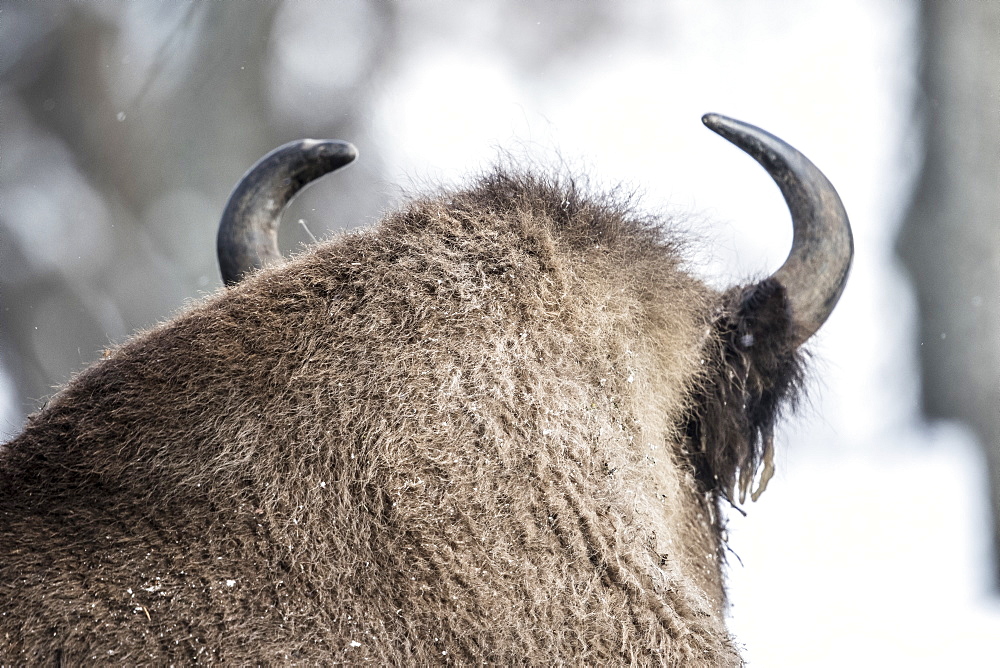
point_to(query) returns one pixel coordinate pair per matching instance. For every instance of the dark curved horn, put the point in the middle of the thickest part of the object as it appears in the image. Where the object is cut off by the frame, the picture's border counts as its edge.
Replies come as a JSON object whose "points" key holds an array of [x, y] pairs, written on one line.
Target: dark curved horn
{"points": [[815, 273], [248, 231]]}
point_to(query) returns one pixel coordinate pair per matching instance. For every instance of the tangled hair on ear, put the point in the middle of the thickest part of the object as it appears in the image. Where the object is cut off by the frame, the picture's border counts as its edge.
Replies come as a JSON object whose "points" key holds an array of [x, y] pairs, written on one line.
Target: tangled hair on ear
{"points": [[756, 372]]}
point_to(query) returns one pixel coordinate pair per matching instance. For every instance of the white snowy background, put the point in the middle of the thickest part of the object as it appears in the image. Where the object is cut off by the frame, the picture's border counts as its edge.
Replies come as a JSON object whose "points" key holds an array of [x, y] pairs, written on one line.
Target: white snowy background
{"points": [[869, 548]]}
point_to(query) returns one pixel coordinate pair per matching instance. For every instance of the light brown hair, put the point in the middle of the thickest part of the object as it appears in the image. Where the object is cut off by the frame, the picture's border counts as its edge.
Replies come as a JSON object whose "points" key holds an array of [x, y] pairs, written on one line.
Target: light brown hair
{"points": [[495, 428]]}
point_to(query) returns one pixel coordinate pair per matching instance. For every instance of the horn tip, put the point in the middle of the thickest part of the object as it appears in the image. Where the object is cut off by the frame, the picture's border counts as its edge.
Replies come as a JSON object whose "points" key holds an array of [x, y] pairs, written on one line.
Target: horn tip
{"points": [[710, 119], [341, 151], [719, 124]]}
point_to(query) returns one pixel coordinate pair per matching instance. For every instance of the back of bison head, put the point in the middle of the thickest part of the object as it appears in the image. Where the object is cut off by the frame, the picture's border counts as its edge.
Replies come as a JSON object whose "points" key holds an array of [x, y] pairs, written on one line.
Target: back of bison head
{"points": [[496, 427]]}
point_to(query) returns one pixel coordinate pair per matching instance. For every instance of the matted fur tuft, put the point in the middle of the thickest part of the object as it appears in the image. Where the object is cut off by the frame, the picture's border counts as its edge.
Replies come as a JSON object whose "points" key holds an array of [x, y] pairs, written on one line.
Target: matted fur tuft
{"points": [[491, 429], [758, 374]]}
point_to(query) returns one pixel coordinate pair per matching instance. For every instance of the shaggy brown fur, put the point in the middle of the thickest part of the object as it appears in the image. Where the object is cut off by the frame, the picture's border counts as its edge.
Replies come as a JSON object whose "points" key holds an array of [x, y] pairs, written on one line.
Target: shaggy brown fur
{"points": [[493, 429]]}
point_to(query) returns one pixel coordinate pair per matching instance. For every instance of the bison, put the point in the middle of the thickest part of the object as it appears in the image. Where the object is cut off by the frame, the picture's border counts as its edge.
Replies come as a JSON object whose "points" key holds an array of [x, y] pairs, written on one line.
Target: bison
{"points": [[499, 427]]}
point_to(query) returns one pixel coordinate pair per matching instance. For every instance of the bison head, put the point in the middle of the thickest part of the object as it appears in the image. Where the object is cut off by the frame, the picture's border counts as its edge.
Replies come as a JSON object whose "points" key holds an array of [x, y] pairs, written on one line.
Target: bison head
{"points": [[760, 326], [496, 427]]}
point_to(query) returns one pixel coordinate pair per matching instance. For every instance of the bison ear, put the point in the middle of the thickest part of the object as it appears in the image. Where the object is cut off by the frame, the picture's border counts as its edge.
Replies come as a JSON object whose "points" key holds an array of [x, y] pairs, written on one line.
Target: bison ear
{"points": [[761, 317], [248, 232], [760, 348]]}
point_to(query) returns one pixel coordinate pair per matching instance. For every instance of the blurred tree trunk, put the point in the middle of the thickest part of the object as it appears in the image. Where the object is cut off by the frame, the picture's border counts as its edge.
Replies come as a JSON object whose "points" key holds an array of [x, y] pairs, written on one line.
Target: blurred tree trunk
{"points": [[129, 164], [146, 108], [950, 241]]}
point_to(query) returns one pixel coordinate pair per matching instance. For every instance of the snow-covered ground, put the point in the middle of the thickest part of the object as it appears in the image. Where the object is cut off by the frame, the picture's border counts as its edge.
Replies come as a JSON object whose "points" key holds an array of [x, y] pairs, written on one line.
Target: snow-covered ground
{"points": [[869, 557]]}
